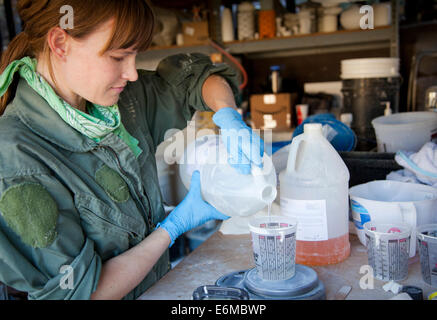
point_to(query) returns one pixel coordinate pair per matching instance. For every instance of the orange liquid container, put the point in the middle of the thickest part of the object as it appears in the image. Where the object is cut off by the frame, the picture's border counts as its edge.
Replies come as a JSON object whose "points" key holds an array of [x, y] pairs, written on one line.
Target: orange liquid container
{"points": [[319, 253], [267, 23], [314, 189]]}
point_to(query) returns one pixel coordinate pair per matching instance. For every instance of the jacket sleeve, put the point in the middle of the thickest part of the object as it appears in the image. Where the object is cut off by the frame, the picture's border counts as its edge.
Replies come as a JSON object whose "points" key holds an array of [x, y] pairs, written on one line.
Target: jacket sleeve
{"points": [[174, 92], [64, 267]]}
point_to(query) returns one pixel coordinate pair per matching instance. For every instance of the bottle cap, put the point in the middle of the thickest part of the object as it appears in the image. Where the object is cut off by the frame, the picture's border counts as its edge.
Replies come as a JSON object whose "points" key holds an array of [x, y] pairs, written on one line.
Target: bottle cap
{"points": [[312, 128]]}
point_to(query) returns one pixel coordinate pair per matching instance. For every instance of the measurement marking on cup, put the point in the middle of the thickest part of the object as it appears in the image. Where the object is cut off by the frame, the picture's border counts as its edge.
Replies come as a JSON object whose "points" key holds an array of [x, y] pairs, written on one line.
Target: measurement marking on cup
{"points": [[269, 259], [274, 244], [387, 258]]}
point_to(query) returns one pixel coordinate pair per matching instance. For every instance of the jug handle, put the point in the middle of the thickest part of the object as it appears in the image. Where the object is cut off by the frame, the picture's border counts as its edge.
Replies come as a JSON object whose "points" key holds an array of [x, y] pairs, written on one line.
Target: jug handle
{"points": [[409, 216], [292, 155]]}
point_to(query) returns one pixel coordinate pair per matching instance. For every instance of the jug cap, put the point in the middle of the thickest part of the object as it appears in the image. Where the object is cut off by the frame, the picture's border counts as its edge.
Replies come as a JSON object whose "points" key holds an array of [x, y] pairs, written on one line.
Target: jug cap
{"points": [[312, 128]]}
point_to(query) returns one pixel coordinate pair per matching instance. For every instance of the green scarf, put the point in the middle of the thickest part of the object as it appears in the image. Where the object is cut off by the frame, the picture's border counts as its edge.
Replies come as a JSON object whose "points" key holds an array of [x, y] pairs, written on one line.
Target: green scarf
{"points": [[96, 125]]}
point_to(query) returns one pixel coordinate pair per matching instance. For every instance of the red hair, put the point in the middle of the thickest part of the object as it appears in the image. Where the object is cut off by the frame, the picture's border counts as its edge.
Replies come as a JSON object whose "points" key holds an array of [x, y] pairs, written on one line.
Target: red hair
{"points": [[134, 23]]}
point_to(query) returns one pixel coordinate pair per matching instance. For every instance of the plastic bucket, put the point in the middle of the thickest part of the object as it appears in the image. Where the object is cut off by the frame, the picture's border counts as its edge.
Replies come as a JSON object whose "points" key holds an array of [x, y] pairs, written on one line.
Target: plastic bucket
{"points": [[388, 249], [427, 242], [386, 201], [407, 131], [274, 246], [368, 85]]}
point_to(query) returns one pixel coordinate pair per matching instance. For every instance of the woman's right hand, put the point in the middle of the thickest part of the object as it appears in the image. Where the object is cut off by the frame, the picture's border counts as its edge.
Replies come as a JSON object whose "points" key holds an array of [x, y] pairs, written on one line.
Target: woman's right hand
{"points": [[192, 212]]}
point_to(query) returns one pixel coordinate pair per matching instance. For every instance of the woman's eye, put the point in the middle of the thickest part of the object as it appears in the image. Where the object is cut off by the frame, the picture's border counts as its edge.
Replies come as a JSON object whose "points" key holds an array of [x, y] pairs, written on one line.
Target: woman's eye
{"points": [[117, 59]]}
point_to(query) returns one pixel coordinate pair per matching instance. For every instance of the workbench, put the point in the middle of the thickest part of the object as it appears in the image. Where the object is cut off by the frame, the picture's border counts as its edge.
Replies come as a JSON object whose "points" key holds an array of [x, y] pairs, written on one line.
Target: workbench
{"points": [[221, 254]]}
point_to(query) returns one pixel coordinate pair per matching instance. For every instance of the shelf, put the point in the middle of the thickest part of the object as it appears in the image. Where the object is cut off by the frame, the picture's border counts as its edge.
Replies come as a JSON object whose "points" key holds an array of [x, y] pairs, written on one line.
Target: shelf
{"points": [[317, 43]]}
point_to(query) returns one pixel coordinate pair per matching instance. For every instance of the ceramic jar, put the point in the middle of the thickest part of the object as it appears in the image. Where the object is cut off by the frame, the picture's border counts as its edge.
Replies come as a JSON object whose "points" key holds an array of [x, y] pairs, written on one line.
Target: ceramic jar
{"points": [[246, 21]]}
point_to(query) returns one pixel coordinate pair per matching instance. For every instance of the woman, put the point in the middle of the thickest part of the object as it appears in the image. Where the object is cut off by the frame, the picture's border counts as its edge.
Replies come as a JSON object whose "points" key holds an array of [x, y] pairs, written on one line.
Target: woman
{"points": [[81, 209]]}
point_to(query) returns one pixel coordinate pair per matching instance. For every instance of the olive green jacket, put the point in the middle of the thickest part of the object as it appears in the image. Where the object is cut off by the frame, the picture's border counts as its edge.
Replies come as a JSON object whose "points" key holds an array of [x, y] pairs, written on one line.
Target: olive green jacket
{"points": [[67, 203]]}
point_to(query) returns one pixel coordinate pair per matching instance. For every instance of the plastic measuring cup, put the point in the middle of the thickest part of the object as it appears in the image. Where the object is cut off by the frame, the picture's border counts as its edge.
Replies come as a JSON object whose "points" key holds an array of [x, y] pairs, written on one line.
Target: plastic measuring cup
{"points": [[427, 242], [388, 247], [274, 246]]}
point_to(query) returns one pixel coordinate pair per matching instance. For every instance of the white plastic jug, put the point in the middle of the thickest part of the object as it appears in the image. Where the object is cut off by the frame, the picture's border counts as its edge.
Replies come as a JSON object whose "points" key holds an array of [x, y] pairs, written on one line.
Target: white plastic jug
{"points": [[222, 186], [314, 190]]}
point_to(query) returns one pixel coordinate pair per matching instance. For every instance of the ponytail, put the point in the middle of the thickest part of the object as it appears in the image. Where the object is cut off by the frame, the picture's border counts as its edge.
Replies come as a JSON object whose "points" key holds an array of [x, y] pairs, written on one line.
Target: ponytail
{"points": [[17, 49]]}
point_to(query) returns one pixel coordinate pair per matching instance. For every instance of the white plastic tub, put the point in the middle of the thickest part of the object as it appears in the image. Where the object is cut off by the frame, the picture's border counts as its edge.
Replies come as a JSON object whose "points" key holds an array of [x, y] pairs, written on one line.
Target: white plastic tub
{"points": [[384, 201], [407, 131]]}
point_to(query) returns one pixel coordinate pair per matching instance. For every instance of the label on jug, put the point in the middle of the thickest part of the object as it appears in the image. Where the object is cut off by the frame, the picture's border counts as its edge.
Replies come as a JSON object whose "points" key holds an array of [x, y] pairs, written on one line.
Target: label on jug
{"points": [[360, 214], [312, 222]]}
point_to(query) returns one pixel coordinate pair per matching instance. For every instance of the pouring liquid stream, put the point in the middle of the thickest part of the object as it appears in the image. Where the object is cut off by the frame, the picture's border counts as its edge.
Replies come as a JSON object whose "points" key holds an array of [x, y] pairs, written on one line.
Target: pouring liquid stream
{"points": [[269, 208]]}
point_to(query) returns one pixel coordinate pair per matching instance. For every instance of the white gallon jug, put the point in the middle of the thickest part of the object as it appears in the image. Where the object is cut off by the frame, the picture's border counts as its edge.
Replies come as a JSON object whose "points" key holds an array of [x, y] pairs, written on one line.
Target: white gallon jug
{"points": [[222, 186], [314, 190]]}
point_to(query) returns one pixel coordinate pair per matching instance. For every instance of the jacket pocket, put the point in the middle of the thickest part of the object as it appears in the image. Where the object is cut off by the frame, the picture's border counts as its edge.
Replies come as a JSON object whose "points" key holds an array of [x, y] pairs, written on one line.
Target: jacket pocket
{"points": [[105, 226]]}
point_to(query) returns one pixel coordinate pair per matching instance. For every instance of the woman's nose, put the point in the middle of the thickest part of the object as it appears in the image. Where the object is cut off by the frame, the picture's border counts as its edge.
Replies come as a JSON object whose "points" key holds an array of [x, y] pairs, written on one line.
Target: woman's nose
{"points": [[130, 73]]}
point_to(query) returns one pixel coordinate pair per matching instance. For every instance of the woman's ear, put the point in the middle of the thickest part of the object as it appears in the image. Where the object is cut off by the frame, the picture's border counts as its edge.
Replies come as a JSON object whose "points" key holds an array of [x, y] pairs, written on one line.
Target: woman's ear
{"points": [[57, 40]]}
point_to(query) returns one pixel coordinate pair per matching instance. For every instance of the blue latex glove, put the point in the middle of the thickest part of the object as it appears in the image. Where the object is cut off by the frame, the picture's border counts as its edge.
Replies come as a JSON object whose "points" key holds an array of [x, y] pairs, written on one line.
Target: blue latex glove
{"points": [[192, 212], [243, 145]]}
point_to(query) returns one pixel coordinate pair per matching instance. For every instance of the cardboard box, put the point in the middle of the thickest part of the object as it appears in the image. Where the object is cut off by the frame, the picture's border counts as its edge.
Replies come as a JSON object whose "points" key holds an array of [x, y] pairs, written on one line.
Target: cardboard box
{"points": [[195, 32], [272, 111]]}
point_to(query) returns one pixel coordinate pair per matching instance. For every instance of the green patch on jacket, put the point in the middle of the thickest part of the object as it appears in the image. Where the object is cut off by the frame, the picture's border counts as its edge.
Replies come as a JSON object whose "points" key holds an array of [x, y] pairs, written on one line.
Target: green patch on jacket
{"points": [[31, 212], [113, 184]]}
